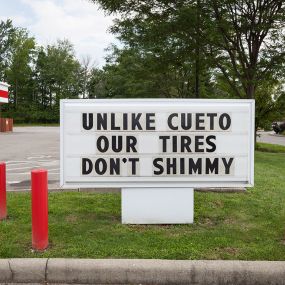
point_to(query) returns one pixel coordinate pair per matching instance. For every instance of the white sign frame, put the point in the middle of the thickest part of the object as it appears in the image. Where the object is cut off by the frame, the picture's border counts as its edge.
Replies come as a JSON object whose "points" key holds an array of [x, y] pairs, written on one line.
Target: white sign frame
{"points": [[163, 181]]}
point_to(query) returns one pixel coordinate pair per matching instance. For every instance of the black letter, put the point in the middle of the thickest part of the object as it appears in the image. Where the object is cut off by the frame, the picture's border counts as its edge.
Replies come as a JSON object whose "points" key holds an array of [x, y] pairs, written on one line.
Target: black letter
{"points": [[199, 120], [99, 144], [174, 143], [212, 115], [113, 122], [160, 167], [227, 164], [198, 143], [86, 162], [97, 166], [136, 121], [186, 124], [131, 143], [125, 121], [114, 166], [210, 143], [212, 166], [169, 121], [228, 122], [149, 121], [85, 124], [194, 167], [101, 121], [170, 165], [182, 165], [164, 142], [117, 146], [134, 165], [185, 143]]}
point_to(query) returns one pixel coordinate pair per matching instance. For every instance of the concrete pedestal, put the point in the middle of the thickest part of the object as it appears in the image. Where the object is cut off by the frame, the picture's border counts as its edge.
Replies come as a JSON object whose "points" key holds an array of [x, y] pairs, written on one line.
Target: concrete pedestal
{"points": [[157, 205]]}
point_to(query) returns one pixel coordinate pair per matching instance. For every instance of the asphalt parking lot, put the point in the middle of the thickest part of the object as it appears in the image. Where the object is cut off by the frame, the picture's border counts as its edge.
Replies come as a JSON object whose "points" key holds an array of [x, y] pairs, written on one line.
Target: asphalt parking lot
{"points": [[271, 137], [29, 148]]}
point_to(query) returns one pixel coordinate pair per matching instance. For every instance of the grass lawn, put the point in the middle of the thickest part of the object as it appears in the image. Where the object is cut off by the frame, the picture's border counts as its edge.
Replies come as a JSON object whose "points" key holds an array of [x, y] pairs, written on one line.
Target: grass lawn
{"points": [[266, 147], [249, 226]]}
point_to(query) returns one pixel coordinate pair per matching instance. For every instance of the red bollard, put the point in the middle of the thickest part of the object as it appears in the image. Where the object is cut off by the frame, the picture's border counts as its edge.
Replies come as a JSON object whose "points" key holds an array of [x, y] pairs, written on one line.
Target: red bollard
{"points": [[39, 209], [3, 201]]}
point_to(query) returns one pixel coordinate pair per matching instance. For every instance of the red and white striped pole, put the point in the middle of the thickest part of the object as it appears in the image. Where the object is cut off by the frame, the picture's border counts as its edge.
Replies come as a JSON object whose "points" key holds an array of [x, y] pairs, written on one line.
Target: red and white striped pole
{"points": [[4, 93], [3, 201], [39, 209]]}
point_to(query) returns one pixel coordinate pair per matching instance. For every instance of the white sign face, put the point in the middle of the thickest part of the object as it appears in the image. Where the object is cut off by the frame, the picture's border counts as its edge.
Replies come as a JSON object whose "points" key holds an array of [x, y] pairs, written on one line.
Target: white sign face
{"points": [[157, 143]]}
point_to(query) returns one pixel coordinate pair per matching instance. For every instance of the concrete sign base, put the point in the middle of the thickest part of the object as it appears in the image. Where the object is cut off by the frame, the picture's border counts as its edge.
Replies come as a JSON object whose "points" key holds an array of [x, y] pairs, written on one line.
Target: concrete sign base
{"points": [[157, 205]]}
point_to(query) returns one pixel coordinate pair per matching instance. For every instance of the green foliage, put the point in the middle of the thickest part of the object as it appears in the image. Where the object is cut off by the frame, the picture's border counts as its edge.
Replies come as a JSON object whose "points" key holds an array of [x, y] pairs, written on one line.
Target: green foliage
{"points": [[171, 49], [39, 76], [133, 73], [57, 76], [7, 32], [246, 42], [19, 72], [270, 104], [166, 37], [235, 46]]}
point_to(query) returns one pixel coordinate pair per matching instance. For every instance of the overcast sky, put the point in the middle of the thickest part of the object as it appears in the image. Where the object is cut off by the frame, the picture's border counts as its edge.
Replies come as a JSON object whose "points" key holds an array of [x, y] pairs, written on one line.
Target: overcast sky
{"points": [[77, 20]]}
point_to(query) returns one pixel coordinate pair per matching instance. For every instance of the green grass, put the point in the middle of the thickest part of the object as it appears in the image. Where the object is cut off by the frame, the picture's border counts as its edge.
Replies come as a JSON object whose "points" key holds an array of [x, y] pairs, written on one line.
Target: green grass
{"points": [[266, 147], [248, 226]]}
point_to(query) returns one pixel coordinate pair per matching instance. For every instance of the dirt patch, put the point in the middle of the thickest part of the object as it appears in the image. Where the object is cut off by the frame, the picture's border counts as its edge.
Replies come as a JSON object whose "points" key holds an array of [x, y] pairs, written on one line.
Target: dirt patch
{"points": [[230, 221], [233, 251], [71, 219], [218, 204], [208, 222]]}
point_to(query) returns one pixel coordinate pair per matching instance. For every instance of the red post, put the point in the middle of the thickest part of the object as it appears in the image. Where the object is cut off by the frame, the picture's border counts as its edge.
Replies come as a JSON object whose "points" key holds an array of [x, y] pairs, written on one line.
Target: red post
{"points": [[3, 201], [39, 209]]}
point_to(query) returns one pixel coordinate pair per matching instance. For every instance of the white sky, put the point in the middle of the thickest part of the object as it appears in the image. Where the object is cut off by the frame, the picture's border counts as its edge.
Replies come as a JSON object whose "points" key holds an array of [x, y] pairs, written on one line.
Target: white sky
{"points": [[79, 21]]}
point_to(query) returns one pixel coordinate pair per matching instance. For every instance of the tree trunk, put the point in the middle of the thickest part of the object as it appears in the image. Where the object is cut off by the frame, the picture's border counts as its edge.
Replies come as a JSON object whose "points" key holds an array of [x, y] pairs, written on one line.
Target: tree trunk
{"points": [[16, 94], [250, 91], [197, 52]]}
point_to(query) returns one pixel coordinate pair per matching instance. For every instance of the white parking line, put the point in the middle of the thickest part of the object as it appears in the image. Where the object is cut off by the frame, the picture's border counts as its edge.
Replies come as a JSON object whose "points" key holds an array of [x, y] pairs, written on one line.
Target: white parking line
{"points": [[38, 157], [17, 162], [19, 168]]}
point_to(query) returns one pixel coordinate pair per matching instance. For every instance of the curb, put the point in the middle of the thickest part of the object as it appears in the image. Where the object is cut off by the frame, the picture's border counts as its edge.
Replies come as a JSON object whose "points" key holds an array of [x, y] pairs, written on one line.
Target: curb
{"points": [[140, 271], [118, 190]]}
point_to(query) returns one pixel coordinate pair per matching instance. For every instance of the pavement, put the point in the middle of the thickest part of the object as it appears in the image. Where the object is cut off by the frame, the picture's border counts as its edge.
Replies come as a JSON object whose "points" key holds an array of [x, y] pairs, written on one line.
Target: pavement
{"points": [[29, 148], [271, 137], [140, 271]]}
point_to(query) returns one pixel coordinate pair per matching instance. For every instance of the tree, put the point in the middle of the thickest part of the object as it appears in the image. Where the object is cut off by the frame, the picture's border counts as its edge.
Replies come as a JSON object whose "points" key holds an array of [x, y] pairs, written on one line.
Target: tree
{"points": [[87, 70], [272, 107], [242, 42], [39, 77], [7, 32], [96, 85], [247, 42], [132, 72], [58, 75], [169, 32], [19, 71]]}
